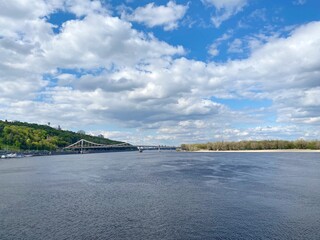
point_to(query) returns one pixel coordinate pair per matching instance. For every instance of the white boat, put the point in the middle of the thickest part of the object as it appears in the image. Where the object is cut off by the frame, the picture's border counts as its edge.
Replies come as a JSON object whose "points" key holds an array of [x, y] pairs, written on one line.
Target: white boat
{"points": [[11, 155]]}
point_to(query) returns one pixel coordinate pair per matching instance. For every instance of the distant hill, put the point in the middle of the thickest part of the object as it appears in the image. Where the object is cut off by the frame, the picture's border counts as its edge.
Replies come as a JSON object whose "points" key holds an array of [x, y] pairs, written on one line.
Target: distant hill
{"points": [[29, 136]]}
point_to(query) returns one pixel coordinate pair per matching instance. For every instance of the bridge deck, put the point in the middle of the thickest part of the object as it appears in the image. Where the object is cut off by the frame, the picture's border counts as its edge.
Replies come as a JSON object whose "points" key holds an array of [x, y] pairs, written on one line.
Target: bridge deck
{"points": [[84, 144]]}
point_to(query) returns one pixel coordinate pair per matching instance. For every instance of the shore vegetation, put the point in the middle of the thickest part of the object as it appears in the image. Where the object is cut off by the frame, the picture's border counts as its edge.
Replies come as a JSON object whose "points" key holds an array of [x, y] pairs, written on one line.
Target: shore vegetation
{"points": [[17, 136], [253, 145]]}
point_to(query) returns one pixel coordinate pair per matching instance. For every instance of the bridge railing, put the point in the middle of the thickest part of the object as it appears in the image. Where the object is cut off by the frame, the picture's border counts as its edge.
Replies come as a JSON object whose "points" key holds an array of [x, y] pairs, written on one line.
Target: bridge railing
{"points": [[84, 144]]}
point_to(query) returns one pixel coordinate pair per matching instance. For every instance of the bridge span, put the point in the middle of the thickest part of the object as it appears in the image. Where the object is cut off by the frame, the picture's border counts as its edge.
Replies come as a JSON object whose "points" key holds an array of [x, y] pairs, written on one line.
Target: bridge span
{"points": [[86, 146]]}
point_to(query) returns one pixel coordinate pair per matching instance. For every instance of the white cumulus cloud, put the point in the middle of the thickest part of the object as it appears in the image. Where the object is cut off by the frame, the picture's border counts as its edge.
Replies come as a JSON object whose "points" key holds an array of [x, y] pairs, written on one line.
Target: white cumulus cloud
{"points": [[224, 9], [99, 70], [152, 15]]}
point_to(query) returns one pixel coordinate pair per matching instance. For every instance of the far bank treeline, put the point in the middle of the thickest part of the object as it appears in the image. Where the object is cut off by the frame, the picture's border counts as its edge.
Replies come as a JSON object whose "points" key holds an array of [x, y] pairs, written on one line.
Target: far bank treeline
{"points": [[253, 145], [16, 136]]}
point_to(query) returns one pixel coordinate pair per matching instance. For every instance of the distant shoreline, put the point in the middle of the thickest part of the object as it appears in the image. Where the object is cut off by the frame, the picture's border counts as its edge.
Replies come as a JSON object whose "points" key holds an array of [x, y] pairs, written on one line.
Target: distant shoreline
{"points": [[257, 151]]}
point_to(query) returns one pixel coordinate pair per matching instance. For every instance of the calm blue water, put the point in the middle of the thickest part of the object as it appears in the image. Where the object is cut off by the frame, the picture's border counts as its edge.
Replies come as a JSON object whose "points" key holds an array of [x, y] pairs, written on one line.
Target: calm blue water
{"points": [[166, 195]]}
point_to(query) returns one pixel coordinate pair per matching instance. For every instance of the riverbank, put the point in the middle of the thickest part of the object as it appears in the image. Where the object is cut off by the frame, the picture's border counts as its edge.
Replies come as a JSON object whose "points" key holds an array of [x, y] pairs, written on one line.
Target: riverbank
{"points": [[258, 151], [21, 154], [5, 155]]}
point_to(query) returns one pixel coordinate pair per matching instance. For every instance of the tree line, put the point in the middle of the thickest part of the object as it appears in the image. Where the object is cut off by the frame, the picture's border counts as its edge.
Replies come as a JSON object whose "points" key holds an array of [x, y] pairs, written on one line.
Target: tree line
{"points": [[16, 136], [253, 145]]}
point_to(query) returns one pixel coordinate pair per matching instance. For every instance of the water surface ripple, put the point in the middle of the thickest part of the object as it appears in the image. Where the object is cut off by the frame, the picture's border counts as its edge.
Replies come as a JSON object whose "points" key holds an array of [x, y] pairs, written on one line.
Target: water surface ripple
{"points": [[161, 195]]}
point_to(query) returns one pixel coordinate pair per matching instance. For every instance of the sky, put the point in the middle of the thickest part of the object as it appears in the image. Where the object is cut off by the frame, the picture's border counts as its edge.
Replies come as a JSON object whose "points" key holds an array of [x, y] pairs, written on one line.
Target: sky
{"points": [[163, 72]]}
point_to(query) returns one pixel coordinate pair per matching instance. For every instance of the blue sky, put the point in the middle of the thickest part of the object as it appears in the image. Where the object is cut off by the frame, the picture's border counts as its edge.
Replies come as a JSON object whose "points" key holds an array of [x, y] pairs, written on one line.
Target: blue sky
{"points": [[163, 72]]}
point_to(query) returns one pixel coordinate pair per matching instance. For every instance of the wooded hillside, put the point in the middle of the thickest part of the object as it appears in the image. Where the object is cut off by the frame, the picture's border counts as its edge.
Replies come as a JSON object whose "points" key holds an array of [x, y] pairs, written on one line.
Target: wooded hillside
{"points": [[28, 136]]}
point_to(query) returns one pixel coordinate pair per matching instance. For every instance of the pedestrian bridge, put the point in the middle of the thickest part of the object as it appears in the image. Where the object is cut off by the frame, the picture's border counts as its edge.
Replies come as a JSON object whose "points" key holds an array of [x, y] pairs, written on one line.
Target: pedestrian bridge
{"points": [[84, 145]]}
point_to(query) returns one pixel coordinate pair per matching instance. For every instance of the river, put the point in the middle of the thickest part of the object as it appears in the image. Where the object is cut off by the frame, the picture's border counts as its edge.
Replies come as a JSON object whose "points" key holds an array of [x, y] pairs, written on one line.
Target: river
{"points": [[161, 195]]}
